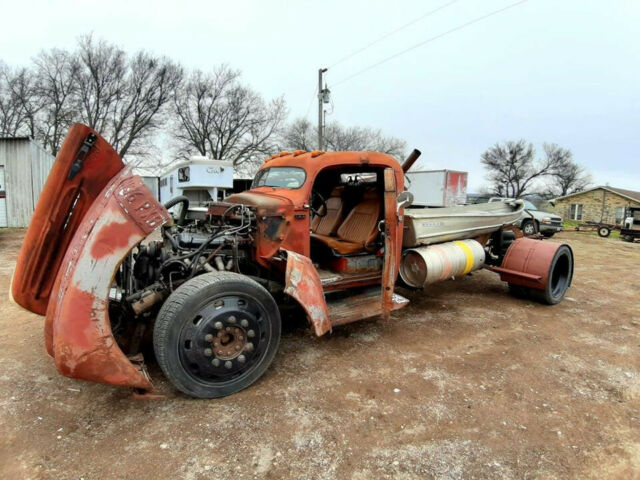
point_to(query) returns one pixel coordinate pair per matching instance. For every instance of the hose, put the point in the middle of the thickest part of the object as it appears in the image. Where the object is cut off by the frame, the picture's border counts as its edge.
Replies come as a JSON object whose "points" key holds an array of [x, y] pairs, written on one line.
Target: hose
{"points": [[183, 212]]}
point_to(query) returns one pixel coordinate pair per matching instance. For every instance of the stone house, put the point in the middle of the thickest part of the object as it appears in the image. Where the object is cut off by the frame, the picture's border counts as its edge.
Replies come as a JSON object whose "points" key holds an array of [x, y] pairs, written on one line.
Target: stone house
{"points": [[599, 204]]}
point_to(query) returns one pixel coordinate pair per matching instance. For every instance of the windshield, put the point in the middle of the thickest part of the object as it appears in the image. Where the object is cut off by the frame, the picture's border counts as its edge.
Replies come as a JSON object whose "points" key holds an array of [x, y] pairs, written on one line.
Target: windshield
{"points": [[529, 206], [282, 177]]}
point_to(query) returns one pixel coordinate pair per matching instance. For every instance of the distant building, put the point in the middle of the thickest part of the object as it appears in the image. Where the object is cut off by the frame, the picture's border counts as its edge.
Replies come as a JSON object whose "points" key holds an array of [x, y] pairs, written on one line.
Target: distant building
{"points": [[599, 204], [24, 167]]}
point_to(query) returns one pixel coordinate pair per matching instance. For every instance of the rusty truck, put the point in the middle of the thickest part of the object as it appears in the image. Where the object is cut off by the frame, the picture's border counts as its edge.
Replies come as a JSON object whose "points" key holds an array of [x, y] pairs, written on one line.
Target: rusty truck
{"points": [[331, 233]]}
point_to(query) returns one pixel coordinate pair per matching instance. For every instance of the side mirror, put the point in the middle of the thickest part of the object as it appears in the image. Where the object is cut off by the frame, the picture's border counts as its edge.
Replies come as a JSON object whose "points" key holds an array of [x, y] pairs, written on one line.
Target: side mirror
{"points": [[405, 199]]}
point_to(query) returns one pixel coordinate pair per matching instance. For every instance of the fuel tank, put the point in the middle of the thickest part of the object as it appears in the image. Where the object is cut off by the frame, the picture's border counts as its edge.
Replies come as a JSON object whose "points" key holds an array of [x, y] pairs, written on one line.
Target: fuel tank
{"points": [[435, 263]]}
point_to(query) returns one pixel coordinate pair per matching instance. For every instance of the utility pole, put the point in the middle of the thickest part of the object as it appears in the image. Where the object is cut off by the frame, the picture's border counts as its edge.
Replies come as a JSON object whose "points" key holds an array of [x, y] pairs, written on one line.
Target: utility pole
{"points": [[321, 101]]}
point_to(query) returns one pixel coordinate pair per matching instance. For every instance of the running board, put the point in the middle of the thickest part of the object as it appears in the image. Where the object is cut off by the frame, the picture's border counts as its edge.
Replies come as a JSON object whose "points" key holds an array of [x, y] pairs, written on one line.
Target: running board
{"points": [[363, 305]]}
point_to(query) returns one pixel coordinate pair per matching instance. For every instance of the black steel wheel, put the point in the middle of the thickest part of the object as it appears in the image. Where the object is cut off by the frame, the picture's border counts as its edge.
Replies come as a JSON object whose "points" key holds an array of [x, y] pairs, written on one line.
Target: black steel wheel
{"points": [[604, 231], [216, 334]]}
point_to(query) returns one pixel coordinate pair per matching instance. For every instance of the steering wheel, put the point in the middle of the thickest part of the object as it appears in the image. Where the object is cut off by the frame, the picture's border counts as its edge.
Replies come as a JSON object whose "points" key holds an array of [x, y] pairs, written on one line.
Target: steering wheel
{"points": [[321, 211]]}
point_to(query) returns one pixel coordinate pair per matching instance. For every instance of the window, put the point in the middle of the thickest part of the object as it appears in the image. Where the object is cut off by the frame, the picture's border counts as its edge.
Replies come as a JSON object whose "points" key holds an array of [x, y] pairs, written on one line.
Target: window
{"points": [[575, 211], [619, 214], [183, 174], [529, 206], [281, 177]]}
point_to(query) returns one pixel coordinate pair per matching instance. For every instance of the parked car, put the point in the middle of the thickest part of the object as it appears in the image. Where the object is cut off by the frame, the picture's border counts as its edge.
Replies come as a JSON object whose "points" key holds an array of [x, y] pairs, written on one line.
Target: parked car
{"points": [[534, 220]]}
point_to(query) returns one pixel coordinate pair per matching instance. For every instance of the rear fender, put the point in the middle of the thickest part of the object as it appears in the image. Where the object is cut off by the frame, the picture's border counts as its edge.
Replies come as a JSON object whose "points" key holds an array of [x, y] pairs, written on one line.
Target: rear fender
{"points": [[78, 330], [303, 283]]}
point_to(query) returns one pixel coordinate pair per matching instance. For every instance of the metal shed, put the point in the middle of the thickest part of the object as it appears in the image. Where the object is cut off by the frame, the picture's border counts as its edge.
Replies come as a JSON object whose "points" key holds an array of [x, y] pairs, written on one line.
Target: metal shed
{"points": [[24, 167]]}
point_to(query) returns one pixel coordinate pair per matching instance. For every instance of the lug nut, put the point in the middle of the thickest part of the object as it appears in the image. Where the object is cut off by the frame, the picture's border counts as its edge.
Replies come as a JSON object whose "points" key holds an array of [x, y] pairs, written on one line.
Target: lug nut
{"points": [[218, 325], [228, 329], [208, 337], [228, 365], [237, 347], [249, 347], [241, 358], [208, 352], [240, 337], [231, 319], [215, 362], [216, 344], [220, 352], [251, 334], [244, 322]]}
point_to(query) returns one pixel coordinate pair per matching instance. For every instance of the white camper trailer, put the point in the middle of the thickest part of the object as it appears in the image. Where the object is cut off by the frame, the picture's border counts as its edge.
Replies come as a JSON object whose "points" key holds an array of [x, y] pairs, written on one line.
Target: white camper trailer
{"points": [[200, 179]]}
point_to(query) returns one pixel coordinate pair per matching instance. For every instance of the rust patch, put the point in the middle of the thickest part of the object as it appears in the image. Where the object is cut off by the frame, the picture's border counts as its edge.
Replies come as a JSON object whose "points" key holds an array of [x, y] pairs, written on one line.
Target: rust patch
{"points": [[303, 283], [111, 238]]}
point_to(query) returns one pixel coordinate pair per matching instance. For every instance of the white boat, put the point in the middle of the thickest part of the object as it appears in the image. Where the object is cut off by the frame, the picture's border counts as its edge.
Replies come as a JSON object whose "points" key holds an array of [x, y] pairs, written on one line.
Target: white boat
{"points": [[426, 226]]}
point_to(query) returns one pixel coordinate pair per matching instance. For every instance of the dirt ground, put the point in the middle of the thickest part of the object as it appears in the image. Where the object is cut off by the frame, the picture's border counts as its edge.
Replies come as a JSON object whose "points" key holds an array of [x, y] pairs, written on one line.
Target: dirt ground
{"points": [[466, 382]]}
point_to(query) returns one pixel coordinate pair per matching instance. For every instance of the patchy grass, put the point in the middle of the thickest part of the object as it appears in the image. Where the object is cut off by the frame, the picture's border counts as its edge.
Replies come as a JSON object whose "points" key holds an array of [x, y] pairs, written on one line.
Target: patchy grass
{"points": [[571, 225]]}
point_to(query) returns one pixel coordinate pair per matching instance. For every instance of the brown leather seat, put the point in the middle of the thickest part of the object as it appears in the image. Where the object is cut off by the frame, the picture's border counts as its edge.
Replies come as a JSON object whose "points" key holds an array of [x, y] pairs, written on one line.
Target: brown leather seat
{"points": [[359, 228], [328, 224]]}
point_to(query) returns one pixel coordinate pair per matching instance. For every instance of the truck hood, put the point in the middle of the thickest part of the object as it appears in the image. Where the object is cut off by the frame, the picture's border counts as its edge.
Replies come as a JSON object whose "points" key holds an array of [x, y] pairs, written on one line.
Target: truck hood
{"points": [[268, 202]]}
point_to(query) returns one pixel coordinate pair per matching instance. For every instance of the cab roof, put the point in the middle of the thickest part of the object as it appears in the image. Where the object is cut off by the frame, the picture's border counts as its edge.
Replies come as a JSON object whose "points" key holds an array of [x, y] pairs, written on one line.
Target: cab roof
{"points": [[318, 160]]}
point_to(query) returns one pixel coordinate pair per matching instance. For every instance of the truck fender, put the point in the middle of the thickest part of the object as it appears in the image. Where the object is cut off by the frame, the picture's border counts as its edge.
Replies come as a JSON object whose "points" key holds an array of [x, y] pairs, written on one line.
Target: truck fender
{"points": [[77, 328], [303, 283]]}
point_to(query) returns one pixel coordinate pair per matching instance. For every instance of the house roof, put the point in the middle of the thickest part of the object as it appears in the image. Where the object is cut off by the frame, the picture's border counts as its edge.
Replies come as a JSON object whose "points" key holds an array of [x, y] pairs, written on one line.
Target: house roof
{"points": [[630, 194]]}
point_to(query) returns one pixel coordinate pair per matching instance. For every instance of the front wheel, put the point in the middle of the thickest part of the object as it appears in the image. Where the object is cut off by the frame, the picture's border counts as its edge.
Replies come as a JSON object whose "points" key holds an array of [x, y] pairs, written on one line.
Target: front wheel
{"points": [[216, 334]]}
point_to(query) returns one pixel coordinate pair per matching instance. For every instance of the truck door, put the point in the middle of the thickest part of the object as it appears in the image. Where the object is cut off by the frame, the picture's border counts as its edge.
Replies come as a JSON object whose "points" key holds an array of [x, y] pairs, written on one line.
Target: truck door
{"points": [[391, 244]]}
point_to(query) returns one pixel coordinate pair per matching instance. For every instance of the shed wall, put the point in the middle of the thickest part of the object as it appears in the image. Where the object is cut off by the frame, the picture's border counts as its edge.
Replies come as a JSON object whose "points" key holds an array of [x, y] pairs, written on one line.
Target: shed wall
{"points": [[26, 167]]}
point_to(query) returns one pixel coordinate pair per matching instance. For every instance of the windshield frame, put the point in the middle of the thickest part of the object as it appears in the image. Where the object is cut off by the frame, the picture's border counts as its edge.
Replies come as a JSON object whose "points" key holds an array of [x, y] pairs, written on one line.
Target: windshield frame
{"points": [[263, 173]]}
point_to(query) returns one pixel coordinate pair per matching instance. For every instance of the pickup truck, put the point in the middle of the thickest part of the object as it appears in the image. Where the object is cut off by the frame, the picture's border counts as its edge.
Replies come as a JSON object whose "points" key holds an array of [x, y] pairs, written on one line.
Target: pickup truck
{"points": [[534, 220], [321, 232]]}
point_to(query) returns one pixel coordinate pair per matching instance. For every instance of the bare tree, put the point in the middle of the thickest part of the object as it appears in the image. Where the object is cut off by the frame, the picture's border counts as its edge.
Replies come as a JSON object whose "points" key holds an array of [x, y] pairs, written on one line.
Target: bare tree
{"points": [[301, 134], [56, 89], [513, 169], [121, 98], [219, 117], [137, 114], [567, 177], [18, 102]]}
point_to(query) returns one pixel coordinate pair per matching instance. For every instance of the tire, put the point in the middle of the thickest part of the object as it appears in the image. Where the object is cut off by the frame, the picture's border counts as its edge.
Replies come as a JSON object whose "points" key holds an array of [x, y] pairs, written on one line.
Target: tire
{"points": [[529, 227], [560, 276], [604, 231], [548, 234], [203, 334], [627, 238]]}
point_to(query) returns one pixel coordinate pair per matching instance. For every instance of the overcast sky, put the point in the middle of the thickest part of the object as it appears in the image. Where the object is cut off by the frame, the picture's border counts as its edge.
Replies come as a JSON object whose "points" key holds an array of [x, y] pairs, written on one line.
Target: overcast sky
{"points": [[565, 71]]}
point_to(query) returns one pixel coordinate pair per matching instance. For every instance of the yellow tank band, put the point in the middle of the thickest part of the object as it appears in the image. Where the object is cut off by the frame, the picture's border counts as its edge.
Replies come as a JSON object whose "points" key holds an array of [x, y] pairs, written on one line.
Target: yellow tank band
{"points": [[468, 254]]}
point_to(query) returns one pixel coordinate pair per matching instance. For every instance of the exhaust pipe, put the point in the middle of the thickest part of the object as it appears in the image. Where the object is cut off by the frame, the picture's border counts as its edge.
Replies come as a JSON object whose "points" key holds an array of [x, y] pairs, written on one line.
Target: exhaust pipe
{"points": [[411, 159]]}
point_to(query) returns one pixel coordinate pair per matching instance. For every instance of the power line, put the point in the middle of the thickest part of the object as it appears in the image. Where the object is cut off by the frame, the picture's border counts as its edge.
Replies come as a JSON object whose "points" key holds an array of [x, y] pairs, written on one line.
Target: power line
{"points": [[459, 27], [352, 54]]}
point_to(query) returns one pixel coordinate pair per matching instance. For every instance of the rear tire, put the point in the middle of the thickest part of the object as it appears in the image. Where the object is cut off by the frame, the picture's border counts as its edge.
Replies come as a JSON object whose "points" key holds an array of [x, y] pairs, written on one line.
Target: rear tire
{"points": [[604, 231], [216, 334], [560, 276], [548, 234]]}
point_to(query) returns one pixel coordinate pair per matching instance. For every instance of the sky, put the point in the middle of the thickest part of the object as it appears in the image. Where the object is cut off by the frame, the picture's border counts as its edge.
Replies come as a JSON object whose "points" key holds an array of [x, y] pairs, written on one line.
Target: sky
{"points": [[558, 71]]}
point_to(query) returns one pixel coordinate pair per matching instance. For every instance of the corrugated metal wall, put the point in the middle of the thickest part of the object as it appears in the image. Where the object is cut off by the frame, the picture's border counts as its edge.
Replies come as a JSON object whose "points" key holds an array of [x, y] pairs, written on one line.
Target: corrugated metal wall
{"points": [[26, 166]]}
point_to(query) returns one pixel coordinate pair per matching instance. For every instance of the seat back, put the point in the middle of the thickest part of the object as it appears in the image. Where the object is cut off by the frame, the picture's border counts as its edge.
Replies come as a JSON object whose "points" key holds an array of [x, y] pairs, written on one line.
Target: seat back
{"points": [[328, 224], [361, 224]]}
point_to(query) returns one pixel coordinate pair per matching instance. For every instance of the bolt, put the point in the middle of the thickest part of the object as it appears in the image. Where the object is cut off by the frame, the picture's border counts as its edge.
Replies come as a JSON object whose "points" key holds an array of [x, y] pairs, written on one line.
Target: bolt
{"points": [[240, 337], [215, 362], [237, 347], [251, 334], [228, 364], [241, 358], [216, 344], [231, 319], [228, 329], [208, 337], [208, 352], [244, 323], [218, 325], [249, 347], [220, 352]]}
